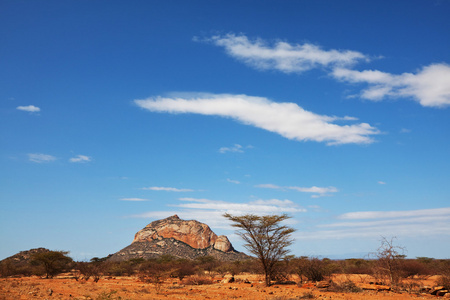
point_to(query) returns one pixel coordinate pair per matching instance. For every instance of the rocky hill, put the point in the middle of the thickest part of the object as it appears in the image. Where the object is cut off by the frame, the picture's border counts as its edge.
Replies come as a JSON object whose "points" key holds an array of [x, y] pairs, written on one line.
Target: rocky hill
{"points": [[24, 257], [179, 238], [19, 263]]}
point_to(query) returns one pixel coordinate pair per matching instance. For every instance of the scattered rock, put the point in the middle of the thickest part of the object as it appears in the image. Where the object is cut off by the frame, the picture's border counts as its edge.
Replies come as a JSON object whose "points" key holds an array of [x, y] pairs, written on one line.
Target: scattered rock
{"points": [[436, 290], [322, 284], [441, 292], [228, 280]]}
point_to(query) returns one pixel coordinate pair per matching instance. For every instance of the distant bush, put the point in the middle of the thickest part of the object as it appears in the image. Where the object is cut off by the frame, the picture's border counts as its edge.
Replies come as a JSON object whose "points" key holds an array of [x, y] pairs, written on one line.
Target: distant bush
{"points": [[123, 268], [410, 268], [241, 266], [197, 280], [89, 270], [9, 268], [314, 269], [444, 278], [356, 266], [154, 272], [344, 287], [207, 263], [183, 268]]}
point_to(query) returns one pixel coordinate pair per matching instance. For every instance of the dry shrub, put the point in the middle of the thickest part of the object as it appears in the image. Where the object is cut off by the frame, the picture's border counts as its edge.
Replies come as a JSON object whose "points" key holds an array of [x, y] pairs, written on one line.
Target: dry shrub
{"points": [[357, 266], [197, 280], [410, 268], [88, 270], [307, 295], [155, 273], [347, 286], [183, 269], [108, 296], [313, 269], [411, 285], [444, 280]]}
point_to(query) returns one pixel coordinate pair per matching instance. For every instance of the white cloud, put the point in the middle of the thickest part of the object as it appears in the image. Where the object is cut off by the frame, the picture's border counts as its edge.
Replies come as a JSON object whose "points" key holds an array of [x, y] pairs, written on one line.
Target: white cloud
{"points": [[395, 214], [166, 189], [40, 158], [254, 207], [235, 148], [274, 202], [381, 182], [233, 181], [405, 130], [413, 223], [211, 211], [269, 186], [80, 159], [318, 191], [283, 56], [133, 199], [287, 119], [430, 86], [29, 108], [314, 189]]}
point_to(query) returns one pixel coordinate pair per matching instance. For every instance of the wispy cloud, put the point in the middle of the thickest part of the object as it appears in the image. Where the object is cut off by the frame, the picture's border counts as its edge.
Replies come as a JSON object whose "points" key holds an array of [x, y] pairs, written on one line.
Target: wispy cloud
{"points": [[41, 158], [283, 56], [405, 130], [29, 108], [381, 182], [211, 211], [269, 186], [133, 199], [430, 86], [287, 119], [233, 181], [395, 214], [370, 224], [318, 191], [235, 148], [80, 159], [255, 207], [166, 189]]}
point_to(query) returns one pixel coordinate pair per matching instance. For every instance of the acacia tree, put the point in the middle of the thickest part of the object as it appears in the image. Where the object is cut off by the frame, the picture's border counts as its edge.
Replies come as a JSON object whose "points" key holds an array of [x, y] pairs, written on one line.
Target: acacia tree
{"points": [[53, 262], [264, 237]]}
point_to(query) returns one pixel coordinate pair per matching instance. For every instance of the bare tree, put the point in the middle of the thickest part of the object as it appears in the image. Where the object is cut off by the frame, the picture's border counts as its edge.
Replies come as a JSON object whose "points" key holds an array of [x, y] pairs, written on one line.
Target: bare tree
{"points": [[264, 237], [390, 258]]}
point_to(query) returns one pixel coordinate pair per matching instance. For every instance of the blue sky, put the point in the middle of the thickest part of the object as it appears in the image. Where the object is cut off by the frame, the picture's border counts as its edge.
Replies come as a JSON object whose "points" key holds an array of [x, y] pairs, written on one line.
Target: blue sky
{"points": [[114, 114]]}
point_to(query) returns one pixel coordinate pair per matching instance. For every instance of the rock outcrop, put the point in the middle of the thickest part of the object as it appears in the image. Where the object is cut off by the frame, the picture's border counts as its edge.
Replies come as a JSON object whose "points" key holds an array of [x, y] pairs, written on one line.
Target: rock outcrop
{"points": [[195, 234], [179, 238]]}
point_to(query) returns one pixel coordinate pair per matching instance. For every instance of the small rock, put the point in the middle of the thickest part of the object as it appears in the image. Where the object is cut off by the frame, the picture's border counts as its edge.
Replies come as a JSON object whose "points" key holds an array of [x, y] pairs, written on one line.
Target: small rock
{"points": [[436, 289]]}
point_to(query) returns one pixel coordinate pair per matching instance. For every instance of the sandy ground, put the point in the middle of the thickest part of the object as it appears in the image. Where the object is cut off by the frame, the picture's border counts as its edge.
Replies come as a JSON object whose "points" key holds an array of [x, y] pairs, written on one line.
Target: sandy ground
{"points": [[132, 288]]}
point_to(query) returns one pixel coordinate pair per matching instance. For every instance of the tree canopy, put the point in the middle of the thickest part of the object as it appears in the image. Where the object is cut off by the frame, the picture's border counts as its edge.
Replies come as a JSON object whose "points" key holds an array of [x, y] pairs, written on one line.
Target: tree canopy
{"points": [[53, 261], [265, 237]]}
